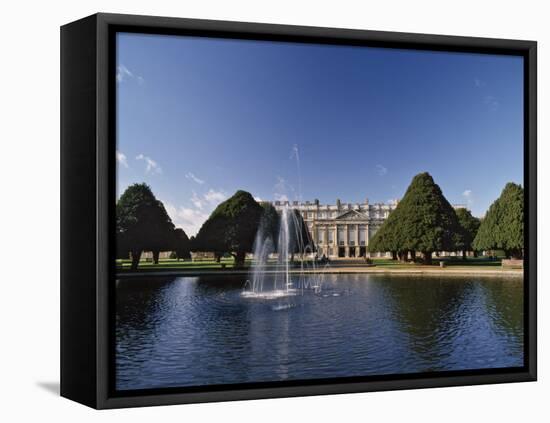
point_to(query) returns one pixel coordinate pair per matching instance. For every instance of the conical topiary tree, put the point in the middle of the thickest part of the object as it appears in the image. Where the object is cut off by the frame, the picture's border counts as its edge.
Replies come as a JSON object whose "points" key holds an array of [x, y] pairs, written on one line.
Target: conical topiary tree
{"points": [[469, 226], [231, 228], [387, 238], [270, 222], [423, 221], [142, 223], [502, 228], [181, 244]]}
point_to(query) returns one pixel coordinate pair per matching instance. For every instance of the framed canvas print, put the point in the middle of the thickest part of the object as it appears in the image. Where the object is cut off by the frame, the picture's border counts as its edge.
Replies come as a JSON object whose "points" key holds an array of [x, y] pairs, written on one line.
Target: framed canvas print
{"points": [[255, 211]]}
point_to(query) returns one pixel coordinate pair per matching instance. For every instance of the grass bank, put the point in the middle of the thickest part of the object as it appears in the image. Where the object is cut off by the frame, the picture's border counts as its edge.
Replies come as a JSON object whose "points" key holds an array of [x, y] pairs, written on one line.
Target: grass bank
{"points": [[471, 265]]}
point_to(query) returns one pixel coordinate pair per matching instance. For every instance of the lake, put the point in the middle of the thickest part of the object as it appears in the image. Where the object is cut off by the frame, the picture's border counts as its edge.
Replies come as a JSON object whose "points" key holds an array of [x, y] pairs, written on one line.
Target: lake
{"points": [[190, 331]]}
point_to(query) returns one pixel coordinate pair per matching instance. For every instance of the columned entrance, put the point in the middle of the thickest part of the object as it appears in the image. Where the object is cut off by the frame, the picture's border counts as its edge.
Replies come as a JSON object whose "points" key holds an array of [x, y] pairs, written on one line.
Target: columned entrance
{"points": [[345, 235]]}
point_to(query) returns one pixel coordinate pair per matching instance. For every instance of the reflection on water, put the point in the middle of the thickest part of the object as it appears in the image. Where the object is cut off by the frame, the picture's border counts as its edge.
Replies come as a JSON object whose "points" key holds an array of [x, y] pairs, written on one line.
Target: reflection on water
{"points": [[192, 331]]}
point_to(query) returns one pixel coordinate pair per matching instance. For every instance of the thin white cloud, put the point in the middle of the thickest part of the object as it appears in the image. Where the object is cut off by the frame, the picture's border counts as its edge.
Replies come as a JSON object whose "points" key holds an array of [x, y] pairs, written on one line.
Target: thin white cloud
{"points": [[214, 197], [492, 102], [258, 199], [190, 219], [197, 201], [192, 176], [124, 74], [381, 170], [121, 159], [187, 218], [151, 166], [469, 197], [479, 83]]}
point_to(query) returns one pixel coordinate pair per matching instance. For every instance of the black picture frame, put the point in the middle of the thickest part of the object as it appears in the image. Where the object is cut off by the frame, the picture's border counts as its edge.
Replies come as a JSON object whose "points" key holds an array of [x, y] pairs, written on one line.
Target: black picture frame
{"points": [[88, 195]]}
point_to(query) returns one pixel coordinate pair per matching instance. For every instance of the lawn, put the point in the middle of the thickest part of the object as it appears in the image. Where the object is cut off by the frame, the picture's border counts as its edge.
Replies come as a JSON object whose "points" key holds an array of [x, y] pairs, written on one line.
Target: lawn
{"points": [[449, 262], [165, 264], [228, 263]]}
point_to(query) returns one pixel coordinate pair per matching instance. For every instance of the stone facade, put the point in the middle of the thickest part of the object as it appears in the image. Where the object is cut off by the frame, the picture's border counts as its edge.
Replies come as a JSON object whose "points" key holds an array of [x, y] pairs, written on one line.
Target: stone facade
{"points": [[342, 230]]}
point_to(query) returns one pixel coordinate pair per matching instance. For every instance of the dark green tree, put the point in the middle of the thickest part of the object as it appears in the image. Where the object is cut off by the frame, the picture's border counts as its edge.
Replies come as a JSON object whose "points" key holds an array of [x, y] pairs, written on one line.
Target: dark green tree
{"points": [[231, 228], [300, 239], [270, 223], [182, 244], [503, 225], [142, 223], [423, 221], [387, 238], [469, 225], [192, 244]]}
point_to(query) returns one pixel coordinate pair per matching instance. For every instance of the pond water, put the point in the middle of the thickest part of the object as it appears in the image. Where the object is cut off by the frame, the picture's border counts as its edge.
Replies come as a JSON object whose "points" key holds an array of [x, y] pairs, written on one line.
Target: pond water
{"points": [[190, 331]]}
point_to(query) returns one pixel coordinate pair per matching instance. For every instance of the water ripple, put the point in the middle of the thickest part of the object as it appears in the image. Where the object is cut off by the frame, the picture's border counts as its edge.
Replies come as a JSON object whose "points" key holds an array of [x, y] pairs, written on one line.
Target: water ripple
{"points": [[196, 331]]}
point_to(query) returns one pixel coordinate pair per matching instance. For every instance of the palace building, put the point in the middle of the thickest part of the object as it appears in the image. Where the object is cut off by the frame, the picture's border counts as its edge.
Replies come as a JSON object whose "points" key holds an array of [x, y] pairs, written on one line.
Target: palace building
{"points": [[342, 230]]}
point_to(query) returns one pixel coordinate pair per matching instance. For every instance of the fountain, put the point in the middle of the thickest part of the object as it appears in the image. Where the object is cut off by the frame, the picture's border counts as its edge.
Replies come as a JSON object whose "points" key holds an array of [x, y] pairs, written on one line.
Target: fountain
{"points": [[283, 240], [272, 280]]}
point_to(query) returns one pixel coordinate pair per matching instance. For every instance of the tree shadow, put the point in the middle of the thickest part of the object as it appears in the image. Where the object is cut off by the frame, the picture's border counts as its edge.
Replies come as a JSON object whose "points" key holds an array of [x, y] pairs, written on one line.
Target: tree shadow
{"points": [[51, 387]]}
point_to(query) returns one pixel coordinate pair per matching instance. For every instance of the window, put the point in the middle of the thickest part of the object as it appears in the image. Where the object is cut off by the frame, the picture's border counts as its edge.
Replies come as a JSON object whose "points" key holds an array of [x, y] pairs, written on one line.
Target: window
{"points": [[362, 235], [351, 236], [321, 235], [341, 235]]}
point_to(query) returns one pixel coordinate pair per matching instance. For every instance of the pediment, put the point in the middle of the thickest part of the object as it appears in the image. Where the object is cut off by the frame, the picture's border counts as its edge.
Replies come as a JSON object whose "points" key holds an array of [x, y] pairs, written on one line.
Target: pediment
{"points": [[352, 215]]}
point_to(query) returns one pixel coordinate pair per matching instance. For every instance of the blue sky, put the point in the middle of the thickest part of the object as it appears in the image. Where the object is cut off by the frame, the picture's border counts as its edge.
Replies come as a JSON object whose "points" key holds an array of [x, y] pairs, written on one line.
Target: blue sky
{"points": [[199, 118]]}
